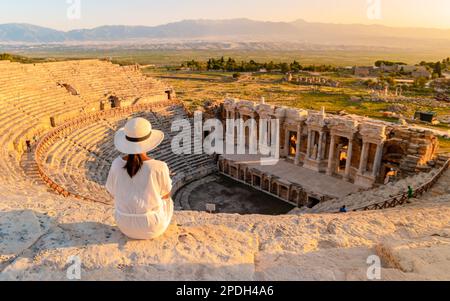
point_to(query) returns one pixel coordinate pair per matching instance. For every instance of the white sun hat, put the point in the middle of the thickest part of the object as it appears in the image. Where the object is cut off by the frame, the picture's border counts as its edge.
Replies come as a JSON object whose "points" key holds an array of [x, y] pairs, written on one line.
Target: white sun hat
{"points": [[137, 137]]}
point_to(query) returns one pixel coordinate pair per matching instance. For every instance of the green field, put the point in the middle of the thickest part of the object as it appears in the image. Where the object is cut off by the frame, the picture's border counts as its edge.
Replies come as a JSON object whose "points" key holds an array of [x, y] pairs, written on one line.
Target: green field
{"points": [[176, 57]]}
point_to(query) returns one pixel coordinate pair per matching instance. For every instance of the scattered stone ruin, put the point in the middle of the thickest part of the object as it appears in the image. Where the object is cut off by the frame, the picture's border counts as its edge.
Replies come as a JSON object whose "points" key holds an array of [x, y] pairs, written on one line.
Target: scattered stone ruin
{"points": [[311, 81]]}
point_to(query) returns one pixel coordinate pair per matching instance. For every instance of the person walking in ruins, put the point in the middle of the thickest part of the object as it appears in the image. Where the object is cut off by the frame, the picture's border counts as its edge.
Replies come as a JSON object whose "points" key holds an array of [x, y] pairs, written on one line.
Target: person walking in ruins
{"points": [[28, 144], [410, 192], [140, 185]]}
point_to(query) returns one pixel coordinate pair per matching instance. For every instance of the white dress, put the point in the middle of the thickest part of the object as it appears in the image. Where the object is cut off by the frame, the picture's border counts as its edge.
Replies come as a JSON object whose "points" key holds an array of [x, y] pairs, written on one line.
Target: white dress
{"points": [[140, 211]]}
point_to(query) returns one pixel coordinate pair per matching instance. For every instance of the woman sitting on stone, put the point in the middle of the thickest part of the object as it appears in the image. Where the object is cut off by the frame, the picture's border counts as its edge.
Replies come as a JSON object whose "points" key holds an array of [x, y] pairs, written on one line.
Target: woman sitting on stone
{"points": [[140, 186]]}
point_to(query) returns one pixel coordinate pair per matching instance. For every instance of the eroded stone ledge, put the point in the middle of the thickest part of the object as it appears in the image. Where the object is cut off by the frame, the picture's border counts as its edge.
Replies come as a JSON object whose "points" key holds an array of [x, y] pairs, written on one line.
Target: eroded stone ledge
{"points": [[200, 246]]}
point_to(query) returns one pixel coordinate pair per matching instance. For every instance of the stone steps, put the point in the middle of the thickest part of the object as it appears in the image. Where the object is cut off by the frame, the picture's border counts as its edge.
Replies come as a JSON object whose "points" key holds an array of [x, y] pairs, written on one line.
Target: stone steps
{"points": [[32, 93], [442, 187], [370, 197]]}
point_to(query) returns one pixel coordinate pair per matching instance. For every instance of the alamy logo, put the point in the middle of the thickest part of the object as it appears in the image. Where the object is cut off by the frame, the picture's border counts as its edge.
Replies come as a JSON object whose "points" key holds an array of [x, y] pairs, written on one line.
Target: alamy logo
{"points": [[74, 9], [374, 270], [74, 269], [374, 9]]}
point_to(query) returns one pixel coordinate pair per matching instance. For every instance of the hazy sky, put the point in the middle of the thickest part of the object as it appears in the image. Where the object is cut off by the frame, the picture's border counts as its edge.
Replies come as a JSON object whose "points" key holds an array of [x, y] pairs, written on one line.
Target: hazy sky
{"points": [[54, 13]]}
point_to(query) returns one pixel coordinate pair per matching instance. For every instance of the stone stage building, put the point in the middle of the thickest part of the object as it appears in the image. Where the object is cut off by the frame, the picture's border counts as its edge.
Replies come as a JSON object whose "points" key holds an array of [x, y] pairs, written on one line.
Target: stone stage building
{"points": [[357, 151]]}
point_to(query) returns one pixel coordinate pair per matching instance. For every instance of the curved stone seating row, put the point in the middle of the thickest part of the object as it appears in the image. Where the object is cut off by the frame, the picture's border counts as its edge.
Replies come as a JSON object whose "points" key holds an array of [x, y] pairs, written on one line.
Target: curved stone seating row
{"points": [[74, 159], [50, 142], [35, 95], [30, 96], [94, 79], [15, 128]]}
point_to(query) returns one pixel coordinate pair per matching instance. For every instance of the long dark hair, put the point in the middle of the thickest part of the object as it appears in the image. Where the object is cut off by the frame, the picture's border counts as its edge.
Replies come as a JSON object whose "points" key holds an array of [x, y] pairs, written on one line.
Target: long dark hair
{"points": [[134, 164]]}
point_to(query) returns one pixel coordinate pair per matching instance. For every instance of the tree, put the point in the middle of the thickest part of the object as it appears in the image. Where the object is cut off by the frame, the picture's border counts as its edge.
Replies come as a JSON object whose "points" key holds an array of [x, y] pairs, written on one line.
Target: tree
{"points": [[295, 66], [284, 67], [194, 65], [391, 81], [420, 82], [438, 69], [231, 65], [6, 57], [387, 63], [270, 66]]}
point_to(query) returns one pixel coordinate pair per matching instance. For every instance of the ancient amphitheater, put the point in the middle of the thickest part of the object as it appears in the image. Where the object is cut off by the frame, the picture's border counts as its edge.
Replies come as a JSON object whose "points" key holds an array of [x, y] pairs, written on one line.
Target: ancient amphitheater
{"points": [[56, 127]]}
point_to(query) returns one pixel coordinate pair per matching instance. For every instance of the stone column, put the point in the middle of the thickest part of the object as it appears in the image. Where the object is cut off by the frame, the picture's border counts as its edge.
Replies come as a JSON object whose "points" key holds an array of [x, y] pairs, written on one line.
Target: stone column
{"points": [[299, 137], [231, 131], [253, 135], [324, 148], [320, 148], [269, 131], [348, 164], [331, 158], [364, 157], [262, 121], [280, 130], [228, 130], [377, 161], [286, 142], [308, 149]]}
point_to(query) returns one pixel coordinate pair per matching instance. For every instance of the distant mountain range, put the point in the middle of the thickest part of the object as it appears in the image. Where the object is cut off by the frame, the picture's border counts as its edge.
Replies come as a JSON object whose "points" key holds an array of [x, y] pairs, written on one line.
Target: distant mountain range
{"points": [[236, 30]]}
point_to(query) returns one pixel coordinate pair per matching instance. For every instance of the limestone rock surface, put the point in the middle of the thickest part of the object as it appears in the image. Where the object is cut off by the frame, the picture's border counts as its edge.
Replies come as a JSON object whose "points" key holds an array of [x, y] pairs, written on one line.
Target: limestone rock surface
{"points": [[39, 238]]}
